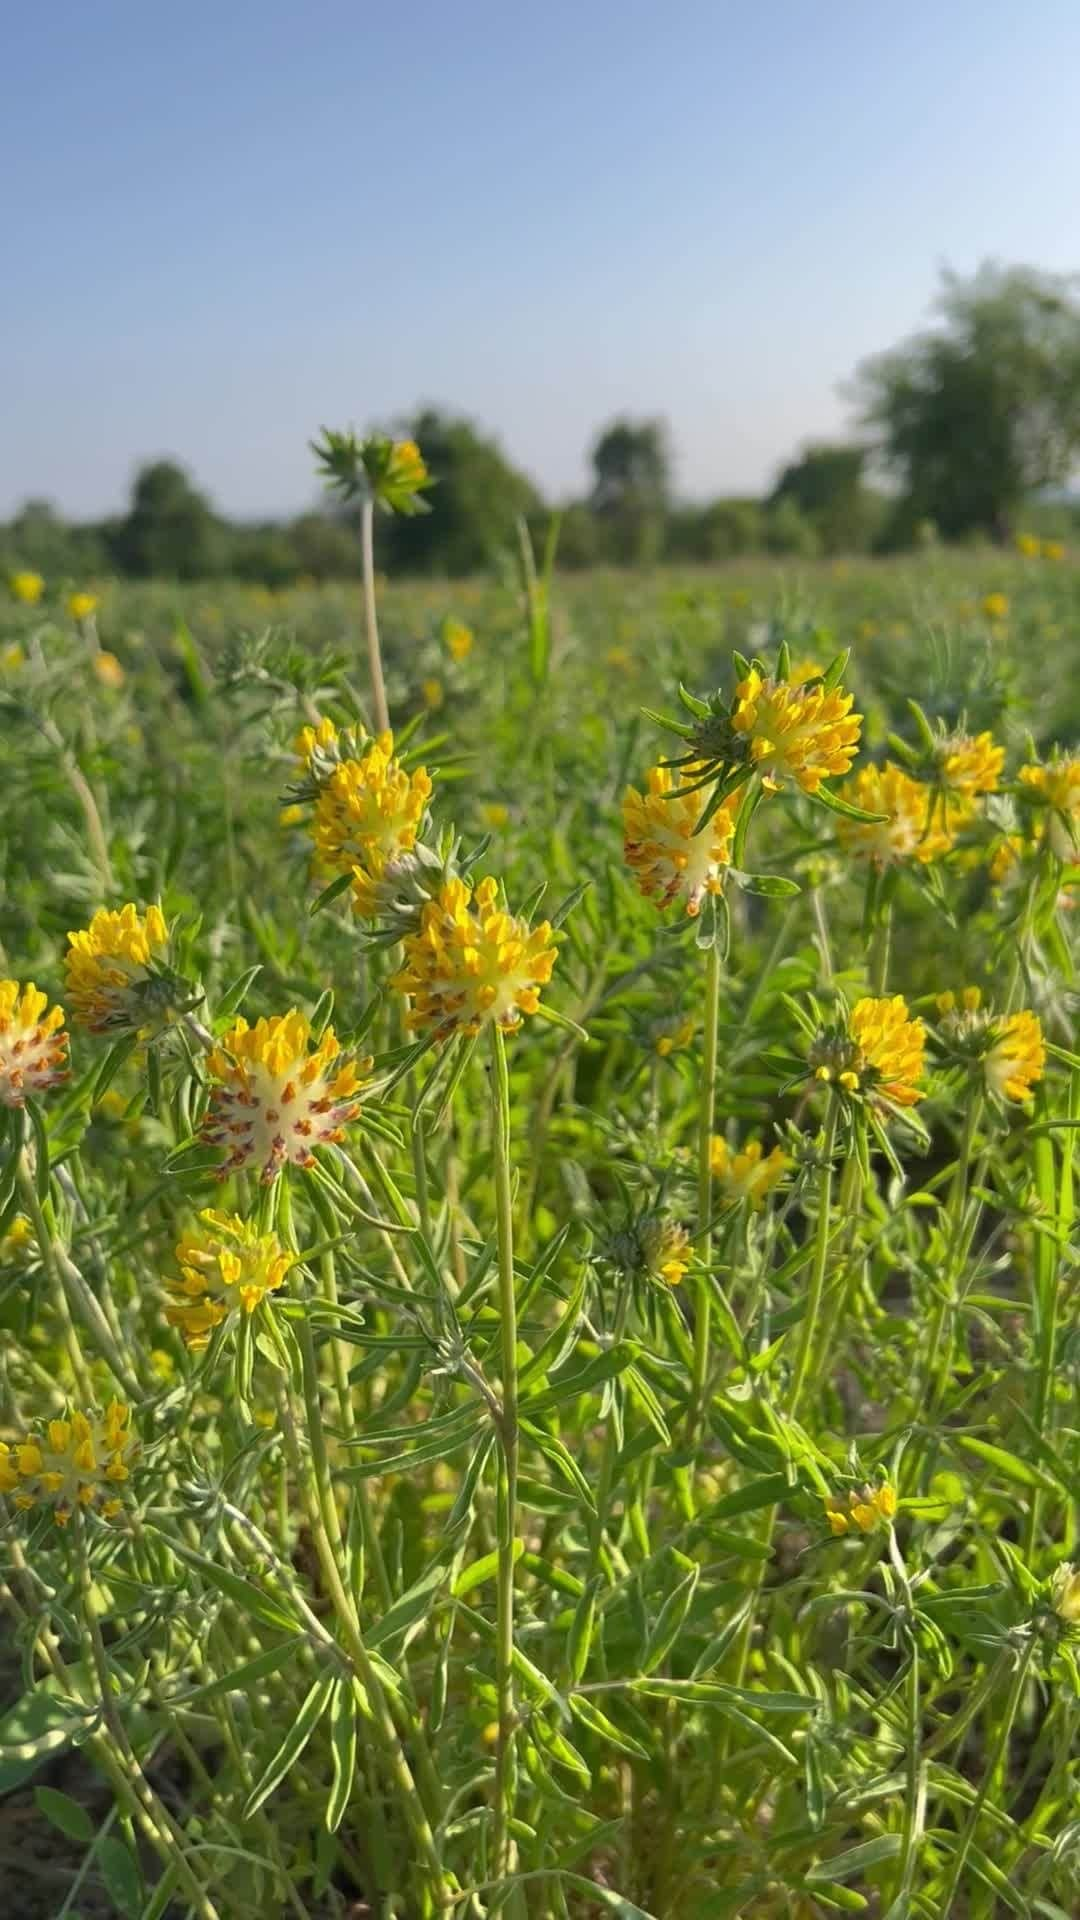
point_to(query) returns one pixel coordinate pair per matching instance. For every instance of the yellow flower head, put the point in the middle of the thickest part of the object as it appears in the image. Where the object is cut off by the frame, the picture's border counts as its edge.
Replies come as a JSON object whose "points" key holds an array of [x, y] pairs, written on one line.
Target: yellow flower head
{"points": [[431, 693], [890, 1047], [406, 471], [747, 1173], [33, 1047], [495, 815], [1056, 784], [16, 1242], [276, 1097], [12, 657], [970, 764], [1053, 550], [996, 606], [1065, 1593], [913, 829], [114, 982], [82, 605], [469, 962], [83, 1461], [864, 1508], [1029, 545], [802, 733], [458, 639], [1017, 1056], [670, 1036], [369, 811], [668, 858], [27, 588], [227, 1267], [1003, 856], [801, 671], [665, 1249], [108, 670]]}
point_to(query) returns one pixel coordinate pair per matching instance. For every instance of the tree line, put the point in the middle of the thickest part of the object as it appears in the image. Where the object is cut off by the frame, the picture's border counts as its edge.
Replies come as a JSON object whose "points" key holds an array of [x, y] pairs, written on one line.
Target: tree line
{"points": [[960, 430]]}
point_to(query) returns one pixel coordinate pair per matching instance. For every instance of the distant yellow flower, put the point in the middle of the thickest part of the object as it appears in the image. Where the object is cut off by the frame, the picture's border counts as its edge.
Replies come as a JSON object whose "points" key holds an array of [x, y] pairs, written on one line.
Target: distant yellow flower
{"points": [[369, 811], [290, 816], [275, 1096], [970, 764], [996, 606], [495, 815], [864, 1508], [469, 963], [665, 1250], [406, 471], [1053, 550], [803, 670], [15, 1243], [227, 1267], [618, 658], [1004, 854], [910, 830], [458, 639], [82, 1461], [82, 605], [668, 859], [1057, 784], [33, 1050], [12, 657], [113, 979], [1017, 1057], [674, 1034], [746, 1174], [798, 733], [27, 587], [431, 692], [1029, 545], [108, 669]]}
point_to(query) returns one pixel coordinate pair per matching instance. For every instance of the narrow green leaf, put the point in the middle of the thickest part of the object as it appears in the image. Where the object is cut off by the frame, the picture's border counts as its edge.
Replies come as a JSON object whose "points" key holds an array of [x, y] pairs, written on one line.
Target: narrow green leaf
{"points": [[343, 1749], [311, 1712]]}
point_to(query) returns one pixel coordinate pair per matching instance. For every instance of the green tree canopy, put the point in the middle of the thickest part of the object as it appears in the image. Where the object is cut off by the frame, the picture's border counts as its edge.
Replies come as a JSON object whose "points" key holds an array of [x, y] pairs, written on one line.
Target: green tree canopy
{"points": [[985, 409], [826, 484], [631, 489], [474, 506], [171, 529]]}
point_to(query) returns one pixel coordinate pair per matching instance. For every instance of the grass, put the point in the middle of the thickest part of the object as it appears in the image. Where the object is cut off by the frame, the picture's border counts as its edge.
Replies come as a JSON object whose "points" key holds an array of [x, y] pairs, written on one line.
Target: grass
{"points": [[590, 1522]]}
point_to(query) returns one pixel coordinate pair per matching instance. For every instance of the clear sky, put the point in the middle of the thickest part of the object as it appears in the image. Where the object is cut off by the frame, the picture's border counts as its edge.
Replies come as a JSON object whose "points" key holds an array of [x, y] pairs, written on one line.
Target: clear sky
{"points": [[228, 221]]}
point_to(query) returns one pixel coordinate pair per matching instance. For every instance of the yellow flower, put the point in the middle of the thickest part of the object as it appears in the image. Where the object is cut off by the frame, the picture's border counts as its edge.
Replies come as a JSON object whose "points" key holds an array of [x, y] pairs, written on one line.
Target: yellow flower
{"points": [[12, 657], [290, 816], [1004, 855], [33, 1050], [803, 670], [114, 981], [274, 1100], [1065, 1593], [406, 471], [108, 669], [995, 606], [469, 962], [798, 733], [431, 692], [618, 658], [880, 1055], [15, 1242], [746, 1174], [665, 1250], [495, 815], [865, 1508], [227, 1267], [458, 639], [82, 605], [1053, 550], [674, 1034], [1017, 1057], [910, 829], [970, 764], [27, 587], [369, 811], [659, 843], [1029, 545], [1057, 783], [82, 1461]]}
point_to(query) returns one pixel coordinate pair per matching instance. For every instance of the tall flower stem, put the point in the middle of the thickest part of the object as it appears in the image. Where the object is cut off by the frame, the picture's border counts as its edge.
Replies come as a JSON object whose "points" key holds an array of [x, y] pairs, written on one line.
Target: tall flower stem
{"points": [[504, 1852], [371, 625], [706, 1121], [820, 1261]]}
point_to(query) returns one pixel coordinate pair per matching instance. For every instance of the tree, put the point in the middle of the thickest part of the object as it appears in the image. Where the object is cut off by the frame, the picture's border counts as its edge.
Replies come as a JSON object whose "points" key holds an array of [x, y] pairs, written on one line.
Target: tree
{"points": [[632, 488], [170, 530], [474, 505], [826, 484], [984, 410]]}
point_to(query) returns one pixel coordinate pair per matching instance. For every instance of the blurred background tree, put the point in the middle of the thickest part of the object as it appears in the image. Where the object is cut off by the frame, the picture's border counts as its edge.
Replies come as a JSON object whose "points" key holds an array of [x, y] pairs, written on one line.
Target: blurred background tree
{"points": [[474, 507], [631, 490], [171, 529], [827, 486]]}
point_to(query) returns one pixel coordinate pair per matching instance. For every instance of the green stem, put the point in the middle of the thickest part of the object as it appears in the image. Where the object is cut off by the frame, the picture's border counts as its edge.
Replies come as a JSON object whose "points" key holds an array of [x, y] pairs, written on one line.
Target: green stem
{"points": [[46, 1248], [997, 1758], [706, 1122], [504, 1852], [879, 964], [820, 1261], [380, 709], [937, 1375]]}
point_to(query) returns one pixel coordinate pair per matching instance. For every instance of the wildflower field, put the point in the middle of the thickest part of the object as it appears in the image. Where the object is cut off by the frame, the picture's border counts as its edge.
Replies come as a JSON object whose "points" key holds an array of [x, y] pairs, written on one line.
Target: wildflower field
{"points": [[538, 1281]]}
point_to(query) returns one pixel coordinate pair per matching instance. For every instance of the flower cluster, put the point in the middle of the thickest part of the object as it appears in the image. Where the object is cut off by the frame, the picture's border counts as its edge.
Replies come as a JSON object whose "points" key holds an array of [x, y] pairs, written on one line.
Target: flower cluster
{"points": [[864, 1508], [746, 1173], [276, 1096], [1055, 786], [26, 587], [116, 980], [367, 815], [1007, 1050], [33, 1048], [911, 828], [82, 1461], [805, 733], [227, 1267], [469, 962], [878, 1054], [669, 859], [663, 1249], [969, 764], [390, 472], [458, 639]]}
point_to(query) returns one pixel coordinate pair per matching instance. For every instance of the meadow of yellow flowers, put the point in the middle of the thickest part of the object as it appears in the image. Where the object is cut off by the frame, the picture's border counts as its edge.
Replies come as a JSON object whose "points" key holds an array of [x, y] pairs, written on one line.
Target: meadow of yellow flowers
{"points": [[538, 1272]]}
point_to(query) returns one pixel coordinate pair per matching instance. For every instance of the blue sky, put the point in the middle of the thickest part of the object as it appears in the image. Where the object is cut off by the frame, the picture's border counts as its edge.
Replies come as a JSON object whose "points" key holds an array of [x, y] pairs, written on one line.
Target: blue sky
{"points": [[230, 221]]}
